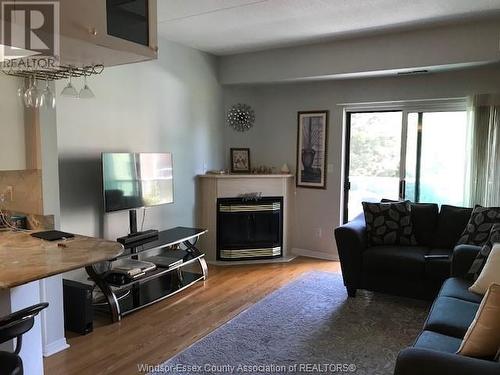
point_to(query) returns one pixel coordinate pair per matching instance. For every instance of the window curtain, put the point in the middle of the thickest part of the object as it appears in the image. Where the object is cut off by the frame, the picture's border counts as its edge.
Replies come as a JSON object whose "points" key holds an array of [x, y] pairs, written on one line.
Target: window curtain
{"points": [[484, 163]]}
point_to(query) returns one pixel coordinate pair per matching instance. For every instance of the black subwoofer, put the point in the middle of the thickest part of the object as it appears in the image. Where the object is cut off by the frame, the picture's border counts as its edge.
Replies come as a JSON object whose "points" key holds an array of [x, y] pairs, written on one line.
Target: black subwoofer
{"points": [[78, 311]]}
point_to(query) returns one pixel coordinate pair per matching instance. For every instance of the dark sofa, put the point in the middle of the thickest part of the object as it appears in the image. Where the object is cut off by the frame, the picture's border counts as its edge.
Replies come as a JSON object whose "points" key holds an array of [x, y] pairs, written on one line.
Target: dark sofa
{"points": [[411, 271], [433, 352]]}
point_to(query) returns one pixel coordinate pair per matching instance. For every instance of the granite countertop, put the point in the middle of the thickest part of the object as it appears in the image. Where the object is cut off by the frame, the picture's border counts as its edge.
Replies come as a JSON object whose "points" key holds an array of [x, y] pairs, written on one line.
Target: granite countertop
{"points": [[24, 258]]}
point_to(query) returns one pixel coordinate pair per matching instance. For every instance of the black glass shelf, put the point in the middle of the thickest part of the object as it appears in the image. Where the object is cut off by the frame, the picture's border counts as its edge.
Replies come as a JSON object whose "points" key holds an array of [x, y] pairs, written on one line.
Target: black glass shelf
{"points": [[142, 295], [159, 271], [165, 239]]}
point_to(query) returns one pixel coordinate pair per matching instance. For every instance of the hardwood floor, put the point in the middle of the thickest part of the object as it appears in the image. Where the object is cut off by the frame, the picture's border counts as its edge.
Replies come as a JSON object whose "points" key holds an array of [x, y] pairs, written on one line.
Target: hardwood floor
{"points": [[156, 333]]}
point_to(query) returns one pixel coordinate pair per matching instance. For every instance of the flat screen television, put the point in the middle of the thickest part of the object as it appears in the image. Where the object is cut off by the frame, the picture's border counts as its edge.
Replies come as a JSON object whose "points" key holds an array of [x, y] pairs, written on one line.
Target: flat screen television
{"points": [[135, 180]]}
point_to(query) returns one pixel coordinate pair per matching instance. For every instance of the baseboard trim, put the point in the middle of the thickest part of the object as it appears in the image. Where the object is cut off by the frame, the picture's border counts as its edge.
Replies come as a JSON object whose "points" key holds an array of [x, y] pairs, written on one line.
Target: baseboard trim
{"points": [[55, 347], [314, 254]]}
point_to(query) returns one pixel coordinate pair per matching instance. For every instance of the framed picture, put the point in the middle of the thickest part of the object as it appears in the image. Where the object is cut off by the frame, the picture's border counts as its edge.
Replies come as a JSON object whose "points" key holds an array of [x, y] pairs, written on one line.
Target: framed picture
{"points": [[312, 140], [240, 160]]}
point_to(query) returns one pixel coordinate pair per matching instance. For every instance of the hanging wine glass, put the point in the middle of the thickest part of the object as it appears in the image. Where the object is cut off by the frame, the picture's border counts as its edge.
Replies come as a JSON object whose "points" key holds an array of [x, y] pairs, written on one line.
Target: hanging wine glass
{"points": [[26, 97], [35, 93], [70, 90], [21, 89], [47, 99], [31, 96], [86, 92]]}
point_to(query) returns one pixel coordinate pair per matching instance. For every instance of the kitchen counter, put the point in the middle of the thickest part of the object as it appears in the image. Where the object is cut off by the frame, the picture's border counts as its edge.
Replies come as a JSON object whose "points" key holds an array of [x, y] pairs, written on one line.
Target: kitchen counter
{"points": [[24, 258]]}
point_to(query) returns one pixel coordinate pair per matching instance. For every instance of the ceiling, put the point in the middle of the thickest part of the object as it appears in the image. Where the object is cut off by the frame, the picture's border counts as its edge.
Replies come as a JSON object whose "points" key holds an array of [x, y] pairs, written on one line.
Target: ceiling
{"points": [[224, 27]]}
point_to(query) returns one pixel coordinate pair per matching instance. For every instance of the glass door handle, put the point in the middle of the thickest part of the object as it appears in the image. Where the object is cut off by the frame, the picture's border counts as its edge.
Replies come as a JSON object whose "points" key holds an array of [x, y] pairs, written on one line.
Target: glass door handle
{"points": [[402, 189]]}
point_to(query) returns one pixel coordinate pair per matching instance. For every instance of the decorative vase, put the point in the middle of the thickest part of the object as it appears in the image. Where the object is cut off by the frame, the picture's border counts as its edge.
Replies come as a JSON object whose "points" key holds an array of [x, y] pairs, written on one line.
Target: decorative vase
{"points": [[308, 155], [284, 169]]}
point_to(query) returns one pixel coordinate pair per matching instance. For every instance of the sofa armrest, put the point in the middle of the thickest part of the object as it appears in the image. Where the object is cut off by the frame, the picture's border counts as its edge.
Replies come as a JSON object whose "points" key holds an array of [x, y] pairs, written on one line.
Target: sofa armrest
{"points": [[417, 361], [351, 242], [462, 258]]}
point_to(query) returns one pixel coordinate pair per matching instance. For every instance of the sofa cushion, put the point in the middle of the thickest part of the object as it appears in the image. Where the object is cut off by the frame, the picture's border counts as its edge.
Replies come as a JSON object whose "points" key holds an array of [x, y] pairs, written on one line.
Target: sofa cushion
{"points": [[451, 223], [490, 273], [424, 217], [401, 260], [479, 226], [389, 223], [482, 256], [451, 316], [437, 341], [438, 264], [459, 288]]}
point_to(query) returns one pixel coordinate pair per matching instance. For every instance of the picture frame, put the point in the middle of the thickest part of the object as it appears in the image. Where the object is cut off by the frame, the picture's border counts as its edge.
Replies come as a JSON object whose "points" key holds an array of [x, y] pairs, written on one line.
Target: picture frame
{"points": [[240, 160], [312, 149]]}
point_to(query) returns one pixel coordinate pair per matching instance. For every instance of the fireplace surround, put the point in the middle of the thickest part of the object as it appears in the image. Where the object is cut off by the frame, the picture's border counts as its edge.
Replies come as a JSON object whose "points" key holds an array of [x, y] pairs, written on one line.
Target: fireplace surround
{"points": [[235, 236]]}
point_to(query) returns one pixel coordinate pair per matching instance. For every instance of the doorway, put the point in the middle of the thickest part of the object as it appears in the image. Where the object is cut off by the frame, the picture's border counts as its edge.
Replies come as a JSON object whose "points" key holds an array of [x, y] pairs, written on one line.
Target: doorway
{"points": [[416, 155]]}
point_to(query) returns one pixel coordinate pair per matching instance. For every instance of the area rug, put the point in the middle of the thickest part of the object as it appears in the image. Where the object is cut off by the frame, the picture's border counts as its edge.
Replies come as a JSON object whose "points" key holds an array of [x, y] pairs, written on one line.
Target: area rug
{"points": [[308, 326]]}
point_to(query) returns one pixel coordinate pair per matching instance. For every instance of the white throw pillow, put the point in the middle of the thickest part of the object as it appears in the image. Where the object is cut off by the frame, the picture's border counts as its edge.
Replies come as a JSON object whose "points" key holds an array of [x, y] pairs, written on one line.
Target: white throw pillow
{"points": [[490, 273], [483, 336]]}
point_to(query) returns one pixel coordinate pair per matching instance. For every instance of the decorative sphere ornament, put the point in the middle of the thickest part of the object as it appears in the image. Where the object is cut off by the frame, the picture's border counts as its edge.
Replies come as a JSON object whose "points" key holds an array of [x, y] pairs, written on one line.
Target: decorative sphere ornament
{"points": [[241, 117]]}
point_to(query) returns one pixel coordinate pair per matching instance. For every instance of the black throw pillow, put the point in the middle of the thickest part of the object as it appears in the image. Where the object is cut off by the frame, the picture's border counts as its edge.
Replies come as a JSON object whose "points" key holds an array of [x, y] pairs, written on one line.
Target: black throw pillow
{"points": [[389, 223], [451, 223], [482, 256], [480, 223]]}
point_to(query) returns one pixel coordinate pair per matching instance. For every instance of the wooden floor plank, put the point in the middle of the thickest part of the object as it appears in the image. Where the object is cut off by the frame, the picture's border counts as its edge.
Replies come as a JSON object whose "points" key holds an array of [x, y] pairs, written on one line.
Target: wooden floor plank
{"points": [[158, 332]]}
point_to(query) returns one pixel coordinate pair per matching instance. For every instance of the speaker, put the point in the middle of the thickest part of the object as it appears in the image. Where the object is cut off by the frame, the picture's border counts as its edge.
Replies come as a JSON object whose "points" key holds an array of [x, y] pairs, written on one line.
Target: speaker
{"points": [[78, 310]]}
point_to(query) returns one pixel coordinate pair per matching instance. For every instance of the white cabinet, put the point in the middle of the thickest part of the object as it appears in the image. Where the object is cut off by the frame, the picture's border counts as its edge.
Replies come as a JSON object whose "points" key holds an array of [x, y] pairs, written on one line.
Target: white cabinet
{"points": [[106, 32]]}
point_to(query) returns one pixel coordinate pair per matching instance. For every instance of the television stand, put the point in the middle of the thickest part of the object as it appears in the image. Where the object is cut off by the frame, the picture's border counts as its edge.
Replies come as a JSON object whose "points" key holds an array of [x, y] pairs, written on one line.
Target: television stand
{"points": [[158, 284]]}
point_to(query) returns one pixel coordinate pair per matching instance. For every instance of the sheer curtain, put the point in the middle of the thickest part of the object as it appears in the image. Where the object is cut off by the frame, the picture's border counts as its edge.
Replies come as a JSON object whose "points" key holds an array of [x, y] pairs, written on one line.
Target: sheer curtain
{"points": [[485, 151]]}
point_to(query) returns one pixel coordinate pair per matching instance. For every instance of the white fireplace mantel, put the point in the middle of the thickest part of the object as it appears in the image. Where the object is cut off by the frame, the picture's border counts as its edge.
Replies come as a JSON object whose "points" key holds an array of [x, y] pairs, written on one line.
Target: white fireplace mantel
{"points": [[214, 186]]}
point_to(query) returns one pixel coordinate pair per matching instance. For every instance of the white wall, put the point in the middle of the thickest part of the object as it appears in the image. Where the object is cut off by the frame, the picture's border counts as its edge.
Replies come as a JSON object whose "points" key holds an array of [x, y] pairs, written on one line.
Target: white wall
{"points": [[173, 105], [273, 139], [12, 143]]}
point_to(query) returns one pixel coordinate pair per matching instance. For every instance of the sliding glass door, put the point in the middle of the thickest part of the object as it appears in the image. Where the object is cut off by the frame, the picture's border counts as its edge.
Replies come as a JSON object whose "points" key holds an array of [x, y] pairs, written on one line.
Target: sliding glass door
{"points": [[436, 158], [373, 165], [414, 155]]}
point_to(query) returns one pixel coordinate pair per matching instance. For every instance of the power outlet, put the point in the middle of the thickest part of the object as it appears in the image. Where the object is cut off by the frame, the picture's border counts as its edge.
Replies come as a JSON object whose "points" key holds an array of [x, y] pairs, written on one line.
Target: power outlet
{"points": [[9, 193]]}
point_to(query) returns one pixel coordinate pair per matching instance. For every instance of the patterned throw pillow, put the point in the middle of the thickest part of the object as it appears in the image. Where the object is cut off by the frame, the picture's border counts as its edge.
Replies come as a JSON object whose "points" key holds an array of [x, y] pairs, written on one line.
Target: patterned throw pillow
{"points": [[389, 223], [478, 264], [478, 229]]}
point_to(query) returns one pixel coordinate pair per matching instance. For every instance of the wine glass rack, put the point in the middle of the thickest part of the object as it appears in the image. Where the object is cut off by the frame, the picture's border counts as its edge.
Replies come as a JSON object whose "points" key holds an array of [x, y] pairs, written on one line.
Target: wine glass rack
{"points": [[55, 72]]}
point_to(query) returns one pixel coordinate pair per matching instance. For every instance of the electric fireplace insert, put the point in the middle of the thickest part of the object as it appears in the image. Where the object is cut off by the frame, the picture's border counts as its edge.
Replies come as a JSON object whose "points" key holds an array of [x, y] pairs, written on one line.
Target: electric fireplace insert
{"points": [[249, 228]]}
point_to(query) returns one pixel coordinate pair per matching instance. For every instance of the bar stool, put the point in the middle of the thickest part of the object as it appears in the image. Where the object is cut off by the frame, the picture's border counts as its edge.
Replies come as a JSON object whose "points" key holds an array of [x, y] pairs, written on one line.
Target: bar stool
{"points": [[14, 326]]}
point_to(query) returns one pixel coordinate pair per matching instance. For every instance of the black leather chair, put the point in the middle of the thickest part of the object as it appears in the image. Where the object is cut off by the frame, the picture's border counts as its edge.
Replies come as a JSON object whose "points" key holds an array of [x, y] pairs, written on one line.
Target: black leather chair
{"points": [[14, 326]]}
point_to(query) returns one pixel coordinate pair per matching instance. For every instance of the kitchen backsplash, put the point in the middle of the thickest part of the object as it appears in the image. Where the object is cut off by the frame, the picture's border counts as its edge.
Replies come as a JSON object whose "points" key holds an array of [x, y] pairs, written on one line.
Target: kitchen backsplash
{"points": [[26, 191]]}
